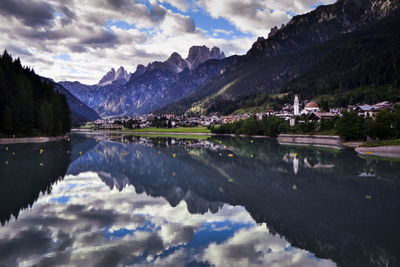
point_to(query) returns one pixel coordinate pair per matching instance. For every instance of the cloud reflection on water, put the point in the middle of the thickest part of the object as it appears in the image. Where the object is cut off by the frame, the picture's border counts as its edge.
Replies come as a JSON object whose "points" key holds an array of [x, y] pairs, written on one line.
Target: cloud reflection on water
{"points": [[84, 223]]}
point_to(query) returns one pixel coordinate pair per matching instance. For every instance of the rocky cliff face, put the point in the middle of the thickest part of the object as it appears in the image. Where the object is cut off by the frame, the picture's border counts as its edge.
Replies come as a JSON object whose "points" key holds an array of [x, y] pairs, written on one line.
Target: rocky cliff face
{"points": [[150, 88], [200, 54], [119, 76]]}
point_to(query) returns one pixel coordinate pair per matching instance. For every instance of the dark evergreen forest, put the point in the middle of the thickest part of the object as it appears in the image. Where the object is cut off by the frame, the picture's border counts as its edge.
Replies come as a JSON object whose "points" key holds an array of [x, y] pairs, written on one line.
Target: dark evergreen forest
{"points": [[28, 105]]}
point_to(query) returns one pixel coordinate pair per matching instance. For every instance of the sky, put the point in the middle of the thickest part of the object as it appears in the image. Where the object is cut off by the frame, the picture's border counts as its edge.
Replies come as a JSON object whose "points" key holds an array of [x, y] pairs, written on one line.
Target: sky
{"points": [[80, 40]]}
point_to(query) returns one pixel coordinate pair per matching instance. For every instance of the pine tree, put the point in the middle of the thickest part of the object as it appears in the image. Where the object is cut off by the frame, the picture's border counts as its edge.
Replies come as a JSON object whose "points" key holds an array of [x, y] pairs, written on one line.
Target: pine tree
{"points": [[7, 119]]}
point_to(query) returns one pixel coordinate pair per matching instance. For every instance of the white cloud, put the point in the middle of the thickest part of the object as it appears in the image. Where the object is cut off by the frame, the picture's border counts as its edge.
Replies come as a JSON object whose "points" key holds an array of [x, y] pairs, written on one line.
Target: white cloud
{"points": [[255, 246], [179, 4], [85, 230], [95, 37], [257, 16]]}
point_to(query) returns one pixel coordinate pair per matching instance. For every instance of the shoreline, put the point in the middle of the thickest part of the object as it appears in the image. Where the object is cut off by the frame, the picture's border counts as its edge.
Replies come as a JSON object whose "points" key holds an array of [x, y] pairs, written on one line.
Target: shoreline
{"points": [[327, 141], [171, 133], [332, 141], [22, 140], [381, 151]]}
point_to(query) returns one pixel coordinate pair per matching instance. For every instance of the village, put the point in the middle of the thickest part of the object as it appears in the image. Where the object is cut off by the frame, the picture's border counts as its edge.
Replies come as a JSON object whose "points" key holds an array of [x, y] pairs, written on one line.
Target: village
{"points": [[305, 110]]}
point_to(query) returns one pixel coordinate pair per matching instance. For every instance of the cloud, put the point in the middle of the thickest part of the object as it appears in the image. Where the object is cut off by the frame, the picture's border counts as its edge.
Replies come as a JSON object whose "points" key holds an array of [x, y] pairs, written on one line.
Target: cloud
{"points": [[257, 17], [99, 35], [255, 246], [30, 12], [179, 4]]}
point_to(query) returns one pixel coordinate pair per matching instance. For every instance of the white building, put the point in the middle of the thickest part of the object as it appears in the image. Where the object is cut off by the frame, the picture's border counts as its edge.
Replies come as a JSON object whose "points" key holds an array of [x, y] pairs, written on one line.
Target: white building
{"points": [[296, 106]]}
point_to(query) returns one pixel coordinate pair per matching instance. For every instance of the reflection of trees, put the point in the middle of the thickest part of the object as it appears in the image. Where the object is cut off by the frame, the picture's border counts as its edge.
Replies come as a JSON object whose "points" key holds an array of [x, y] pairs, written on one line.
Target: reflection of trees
{"points": [[328, 213], [29, 173]]}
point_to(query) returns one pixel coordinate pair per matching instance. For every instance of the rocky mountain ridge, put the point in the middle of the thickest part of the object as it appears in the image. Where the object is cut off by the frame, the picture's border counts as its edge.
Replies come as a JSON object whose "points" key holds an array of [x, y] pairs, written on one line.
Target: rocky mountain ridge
{"points": [[121, 75], [153, 86]]}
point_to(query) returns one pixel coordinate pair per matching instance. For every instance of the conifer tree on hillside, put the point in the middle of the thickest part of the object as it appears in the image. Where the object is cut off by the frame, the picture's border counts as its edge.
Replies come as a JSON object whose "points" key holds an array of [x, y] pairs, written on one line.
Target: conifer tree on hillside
{"points": [[28, 105]]}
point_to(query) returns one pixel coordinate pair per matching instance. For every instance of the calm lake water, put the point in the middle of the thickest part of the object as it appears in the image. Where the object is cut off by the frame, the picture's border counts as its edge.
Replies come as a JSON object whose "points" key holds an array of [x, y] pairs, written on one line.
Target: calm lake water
{"points": [[121, 201]]}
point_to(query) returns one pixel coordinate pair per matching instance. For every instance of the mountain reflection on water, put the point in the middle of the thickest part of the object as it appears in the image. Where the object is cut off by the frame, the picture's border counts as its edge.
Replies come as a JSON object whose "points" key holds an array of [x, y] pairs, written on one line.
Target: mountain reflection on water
{"points": [[224, 201]]}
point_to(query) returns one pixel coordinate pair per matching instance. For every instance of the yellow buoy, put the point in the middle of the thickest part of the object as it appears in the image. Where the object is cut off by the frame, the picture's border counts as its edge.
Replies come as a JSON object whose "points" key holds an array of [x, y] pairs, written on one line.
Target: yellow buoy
{"points": [[220, 154], [6, 162], [68, 152], [69, 139], [230, 155], [80, 152], [41, 164], [13, 135], [251, 156], [190, 142], [230, 180], [368, 197], [7, 148], [294, 155], [284, 140], [159, 152], [13, 153], [174, 155], [251, 141], [41, 151], [220, 142], [124, 154], [159, 142], [294, 187], [173, 174]]}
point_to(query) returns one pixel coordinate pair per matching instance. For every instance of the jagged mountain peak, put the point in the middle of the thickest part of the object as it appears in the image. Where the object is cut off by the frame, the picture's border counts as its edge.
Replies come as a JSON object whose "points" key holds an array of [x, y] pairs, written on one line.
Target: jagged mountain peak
{"points": [[109, 76], [216, 53], [177, 61], [140, 69], [200, 54], [120, 75]]}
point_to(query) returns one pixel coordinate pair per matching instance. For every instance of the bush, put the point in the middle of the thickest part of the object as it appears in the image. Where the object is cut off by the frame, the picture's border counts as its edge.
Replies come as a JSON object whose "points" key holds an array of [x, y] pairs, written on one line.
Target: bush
{"points": [[350, 126], [269, 126]]}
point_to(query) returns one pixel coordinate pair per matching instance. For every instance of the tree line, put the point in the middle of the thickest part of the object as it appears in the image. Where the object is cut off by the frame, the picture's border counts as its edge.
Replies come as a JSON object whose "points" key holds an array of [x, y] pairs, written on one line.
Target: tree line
{"points": [[28, 104], [349, 126]]}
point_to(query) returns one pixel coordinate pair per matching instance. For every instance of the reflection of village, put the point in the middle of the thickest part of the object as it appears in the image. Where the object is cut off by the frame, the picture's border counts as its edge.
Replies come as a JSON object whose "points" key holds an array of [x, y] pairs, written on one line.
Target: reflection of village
{"points": [[311, 163], [214, 145], [306, 110], [315, 162]]}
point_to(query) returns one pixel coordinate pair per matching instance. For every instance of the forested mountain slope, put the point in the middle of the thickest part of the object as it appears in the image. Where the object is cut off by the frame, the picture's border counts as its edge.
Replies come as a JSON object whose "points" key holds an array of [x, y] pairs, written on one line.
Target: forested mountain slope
{"points": [[317, 53]]}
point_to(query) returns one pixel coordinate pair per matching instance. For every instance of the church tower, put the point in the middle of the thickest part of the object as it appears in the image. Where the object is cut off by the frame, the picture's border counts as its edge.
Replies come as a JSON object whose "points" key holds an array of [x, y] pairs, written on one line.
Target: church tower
{"points": [[296, 105]]}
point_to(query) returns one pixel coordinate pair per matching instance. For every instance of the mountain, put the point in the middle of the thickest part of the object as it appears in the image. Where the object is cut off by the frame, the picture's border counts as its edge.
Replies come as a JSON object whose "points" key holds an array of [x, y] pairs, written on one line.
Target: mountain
{"points": [[121, 75], [153, 86], [79, 111], [326, 43], [200, 54]]}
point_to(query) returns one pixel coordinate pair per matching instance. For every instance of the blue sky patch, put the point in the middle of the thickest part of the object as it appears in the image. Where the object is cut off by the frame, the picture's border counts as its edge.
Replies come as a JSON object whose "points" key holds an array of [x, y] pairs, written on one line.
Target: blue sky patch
{"points": [[60, 200]]}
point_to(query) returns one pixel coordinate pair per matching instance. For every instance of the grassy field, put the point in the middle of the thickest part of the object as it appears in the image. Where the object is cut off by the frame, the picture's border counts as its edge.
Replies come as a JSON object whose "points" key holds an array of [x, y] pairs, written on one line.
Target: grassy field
{"points": [[395, 142], [171, 130], [177, 136]]}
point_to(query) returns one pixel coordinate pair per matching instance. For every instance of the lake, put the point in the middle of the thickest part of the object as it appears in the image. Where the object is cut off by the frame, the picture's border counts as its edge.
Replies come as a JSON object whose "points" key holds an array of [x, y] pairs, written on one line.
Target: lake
{"points": [[112, 200]]}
